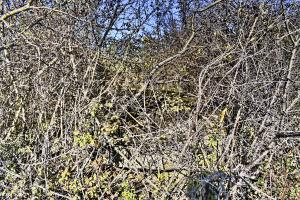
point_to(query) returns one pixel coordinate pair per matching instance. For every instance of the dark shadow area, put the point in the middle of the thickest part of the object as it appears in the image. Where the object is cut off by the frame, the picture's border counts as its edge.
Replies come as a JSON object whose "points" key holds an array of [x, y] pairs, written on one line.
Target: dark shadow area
{"points": [[210, 186]]}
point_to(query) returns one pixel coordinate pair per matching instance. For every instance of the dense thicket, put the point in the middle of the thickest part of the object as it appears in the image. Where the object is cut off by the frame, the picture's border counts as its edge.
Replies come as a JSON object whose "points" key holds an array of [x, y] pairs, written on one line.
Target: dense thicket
{"points": [[149, 99]]}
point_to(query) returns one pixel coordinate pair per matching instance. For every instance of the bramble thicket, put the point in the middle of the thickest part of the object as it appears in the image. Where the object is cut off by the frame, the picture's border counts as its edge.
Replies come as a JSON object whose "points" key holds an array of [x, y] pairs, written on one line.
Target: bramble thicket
{"points": [[149, 99]]}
